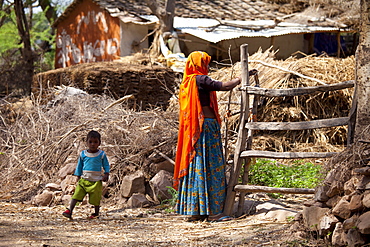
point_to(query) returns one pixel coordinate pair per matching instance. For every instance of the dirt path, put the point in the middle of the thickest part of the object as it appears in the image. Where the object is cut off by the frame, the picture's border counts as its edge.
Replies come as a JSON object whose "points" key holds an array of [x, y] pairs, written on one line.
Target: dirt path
{"points": [[24, 225]]}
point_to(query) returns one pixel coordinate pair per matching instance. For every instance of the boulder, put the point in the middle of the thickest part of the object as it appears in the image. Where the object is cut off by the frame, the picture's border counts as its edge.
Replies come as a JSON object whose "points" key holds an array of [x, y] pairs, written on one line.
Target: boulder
{"points": [[165, 165], [363, 223], [342, 209], [350, 223], [320, 193], [354, 238], [338, 237], [133, 183], [160, 185], [43, 199], [335, 189], [350, 186], [327, 224], [366, 200], [138, 200], [53, 187], [356, 203], [312, 217], [68, 169], [69, 180]]}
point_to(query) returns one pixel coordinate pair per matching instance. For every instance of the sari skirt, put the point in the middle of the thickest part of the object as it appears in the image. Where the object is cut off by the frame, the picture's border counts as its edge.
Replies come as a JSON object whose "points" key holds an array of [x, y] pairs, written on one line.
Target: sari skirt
{"points": [[203, 190]]}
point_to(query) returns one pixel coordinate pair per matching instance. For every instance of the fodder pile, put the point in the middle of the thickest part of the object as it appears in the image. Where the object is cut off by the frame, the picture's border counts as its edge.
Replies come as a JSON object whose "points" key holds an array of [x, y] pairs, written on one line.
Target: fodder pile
{"points": [[43, 138], [293, 73], [152, 85]]}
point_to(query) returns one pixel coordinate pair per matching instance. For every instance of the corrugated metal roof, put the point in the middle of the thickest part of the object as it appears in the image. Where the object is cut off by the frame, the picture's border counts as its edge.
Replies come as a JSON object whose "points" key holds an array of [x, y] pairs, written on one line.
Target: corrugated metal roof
{"points": [[211, 30]]}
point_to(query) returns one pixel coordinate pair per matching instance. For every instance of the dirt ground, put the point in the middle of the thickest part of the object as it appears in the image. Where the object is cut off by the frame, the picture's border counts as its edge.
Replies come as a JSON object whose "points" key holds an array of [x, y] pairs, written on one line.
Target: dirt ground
{"points": [[26, 225]]}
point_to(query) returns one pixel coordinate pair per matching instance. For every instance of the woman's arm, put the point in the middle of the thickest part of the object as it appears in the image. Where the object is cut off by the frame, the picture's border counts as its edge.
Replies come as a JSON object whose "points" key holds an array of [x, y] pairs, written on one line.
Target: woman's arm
{"points": [[226, 86]]}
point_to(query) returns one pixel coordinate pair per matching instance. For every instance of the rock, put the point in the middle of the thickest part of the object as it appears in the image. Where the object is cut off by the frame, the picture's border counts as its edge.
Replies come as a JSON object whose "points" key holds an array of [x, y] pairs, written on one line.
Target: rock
{"points": [[69, 180], [356, 203], [268, 206], [53, 187], [338, 237], [363, 223], [335, 189], [68, 169], [333, 201], [327, 224], [312, 217], [138, 200], [165, 165], [133, 183], [281, 215], [350, 186], [66, 199], [366, 200], [320, 193], [362, 184], [350, 223], [160, 185], [354, 238], [43, 199], [342, 209]]}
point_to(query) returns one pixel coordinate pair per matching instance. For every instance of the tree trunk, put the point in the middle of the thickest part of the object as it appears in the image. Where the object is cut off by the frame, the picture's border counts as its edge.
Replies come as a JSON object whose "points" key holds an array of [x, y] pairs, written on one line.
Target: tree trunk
{"points": [[27, 55], [362, 90], [165, 16]]}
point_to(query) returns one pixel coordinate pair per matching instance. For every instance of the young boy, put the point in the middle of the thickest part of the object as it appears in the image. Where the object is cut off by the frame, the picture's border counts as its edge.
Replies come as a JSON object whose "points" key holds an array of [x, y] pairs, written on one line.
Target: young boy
{"points": [[89, 173]]}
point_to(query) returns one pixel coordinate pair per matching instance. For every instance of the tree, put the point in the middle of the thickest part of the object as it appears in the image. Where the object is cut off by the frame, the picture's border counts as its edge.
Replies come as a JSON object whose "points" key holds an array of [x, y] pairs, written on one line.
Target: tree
{"points": [[361, 101], [25, 41], [26, 50], [165, 16]]}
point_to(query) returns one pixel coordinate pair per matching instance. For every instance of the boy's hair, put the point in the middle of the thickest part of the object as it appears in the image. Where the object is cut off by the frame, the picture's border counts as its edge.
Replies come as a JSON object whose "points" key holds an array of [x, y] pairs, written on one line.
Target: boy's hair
{"points": [[93, 134]]}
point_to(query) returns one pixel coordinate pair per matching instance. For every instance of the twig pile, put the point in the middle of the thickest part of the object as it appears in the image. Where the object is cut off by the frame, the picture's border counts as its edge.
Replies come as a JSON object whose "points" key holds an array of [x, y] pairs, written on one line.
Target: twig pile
{"points": [[43, 138]]}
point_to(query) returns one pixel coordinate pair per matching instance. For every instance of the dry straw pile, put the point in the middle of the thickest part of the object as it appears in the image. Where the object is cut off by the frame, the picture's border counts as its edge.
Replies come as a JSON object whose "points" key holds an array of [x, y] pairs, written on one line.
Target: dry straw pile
{"points": [[293, 73], [37, 139]]}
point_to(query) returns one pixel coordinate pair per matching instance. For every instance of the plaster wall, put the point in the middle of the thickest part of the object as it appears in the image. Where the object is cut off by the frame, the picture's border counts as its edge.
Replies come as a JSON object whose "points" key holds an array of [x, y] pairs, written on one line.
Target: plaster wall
{"points": [[131, 35], [88, 34]]}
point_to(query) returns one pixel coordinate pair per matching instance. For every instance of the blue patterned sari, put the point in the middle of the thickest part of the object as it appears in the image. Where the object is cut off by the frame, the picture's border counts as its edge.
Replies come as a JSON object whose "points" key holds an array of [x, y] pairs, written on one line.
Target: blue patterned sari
{"points": [[203, 190]]}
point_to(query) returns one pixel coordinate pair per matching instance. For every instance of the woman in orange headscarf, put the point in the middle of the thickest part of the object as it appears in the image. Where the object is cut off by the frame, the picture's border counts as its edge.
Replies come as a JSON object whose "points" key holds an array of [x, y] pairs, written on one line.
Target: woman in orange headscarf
{"points": [[200, 168]]}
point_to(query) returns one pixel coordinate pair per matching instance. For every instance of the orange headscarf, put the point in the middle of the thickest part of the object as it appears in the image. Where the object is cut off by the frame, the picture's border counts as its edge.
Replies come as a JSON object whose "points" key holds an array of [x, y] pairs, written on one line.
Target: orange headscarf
{"points": [[191, 114]]}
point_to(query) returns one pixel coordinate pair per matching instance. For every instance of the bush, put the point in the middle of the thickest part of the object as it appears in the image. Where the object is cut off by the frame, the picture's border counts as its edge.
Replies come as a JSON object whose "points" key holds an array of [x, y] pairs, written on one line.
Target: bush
{"points": [[299, 174]]}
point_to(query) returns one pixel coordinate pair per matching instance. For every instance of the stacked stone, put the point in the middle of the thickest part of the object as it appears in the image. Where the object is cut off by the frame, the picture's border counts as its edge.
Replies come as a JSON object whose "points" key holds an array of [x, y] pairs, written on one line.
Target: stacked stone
{"points": [[340, 210]]}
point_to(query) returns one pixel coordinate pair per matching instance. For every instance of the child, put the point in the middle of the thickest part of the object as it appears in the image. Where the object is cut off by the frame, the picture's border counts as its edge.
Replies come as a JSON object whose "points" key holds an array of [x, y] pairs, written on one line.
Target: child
{"points": [[89, 173]]}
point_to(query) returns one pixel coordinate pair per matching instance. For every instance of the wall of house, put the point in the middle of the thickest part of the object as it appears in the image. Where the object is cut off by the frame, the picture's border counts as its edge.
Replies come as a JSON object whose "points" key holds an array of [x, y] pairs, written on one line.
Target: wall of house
{"points": [[286, 44], [131, 35], [88, 34]]}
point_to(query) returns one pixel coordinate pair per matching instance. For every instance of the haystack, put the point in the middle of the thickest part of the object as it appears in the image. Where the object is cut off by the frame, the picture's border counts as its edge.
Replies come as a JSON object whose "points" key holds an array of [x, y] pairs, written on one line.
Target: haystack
{"points": [[293, 73]]}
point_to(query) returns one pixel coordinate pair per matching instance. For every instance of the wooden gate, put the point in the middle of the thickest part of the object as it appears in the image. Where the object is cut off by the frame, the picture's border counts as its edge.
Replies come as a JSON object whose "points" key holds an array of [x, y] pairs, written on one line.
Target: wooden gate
{"points": [[244, 151]]}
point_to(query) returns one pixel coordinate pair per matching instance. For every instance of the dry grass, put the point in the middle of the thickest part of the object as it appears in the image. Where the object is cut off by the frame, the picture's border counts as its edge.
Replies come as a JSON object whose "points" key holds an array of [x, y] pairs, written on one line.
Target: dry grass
{"points": [[42, 138]]}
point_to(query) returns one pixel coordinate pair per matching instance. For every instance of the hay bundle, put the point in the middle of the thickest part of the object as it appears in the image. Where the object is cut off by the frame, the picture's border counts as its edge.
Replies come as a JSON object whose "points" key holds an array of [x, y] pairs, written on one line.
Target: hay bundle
{"points": [[286, 74]]}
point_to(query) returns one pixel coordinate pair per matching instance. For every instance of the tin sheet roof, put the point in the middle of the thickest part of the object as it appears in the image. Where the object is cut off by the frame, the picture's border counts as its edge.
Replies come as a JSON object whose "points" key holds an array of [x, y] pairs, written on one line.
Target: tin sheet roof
{"points": [[212, 31]]}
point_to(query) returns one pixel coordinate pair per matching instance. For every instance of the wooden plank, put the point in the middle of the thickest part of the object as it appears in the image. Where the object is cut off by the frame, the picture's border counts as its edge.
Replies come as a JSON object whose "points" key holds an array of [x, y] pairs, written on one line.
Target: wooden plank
{"points": [[285, 155], [254, 188], [241, 140], [314, 124], [297, 91]]}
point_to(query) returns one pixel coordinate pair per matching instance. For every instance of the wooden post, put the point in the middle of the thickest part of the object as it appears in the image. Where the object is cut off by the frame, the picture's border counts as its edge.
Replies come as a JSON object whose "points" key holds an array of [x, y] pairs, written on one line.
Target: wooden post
{"points": [[241, 140], [339, 48], [249, 141]]}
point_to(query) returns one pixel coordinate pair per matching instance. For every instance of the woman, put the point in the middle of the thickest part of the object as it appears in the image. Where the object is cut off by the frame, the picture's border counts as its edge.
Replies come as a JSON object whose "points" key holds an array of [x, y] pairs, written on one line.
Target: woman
{"points": [[200, 168]]}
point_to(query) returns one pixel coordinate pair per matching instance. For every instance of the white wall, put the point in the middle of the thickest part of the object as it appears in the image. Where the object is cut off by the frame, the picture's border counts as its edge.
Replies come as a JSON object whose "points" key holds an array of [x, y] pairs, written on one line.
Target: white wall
{"points": [[129, 33], [286, 44]]}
